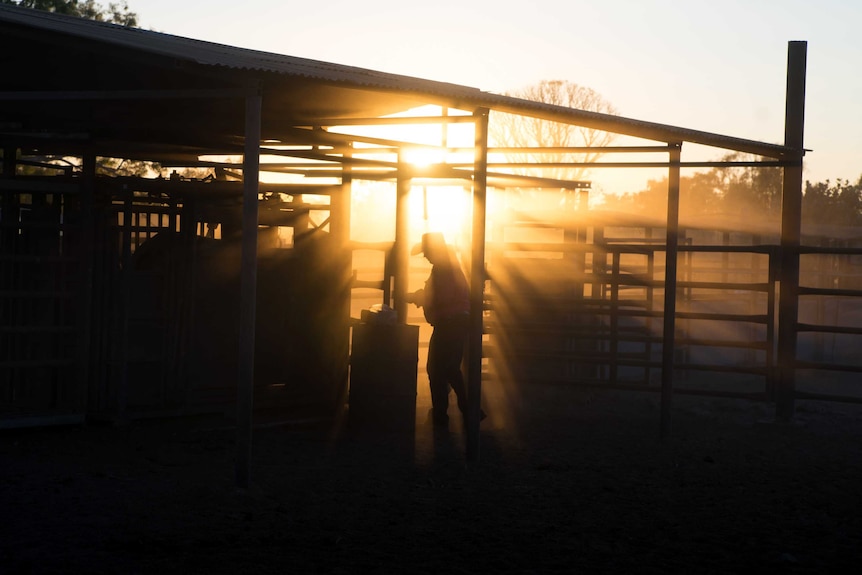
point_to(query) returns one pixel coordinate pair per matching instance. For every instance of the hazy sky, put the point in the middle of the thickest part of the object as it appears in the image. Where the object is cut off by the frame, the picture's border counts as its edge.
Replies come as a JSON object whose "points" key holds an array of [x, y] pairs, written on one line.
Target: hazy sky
{"points": [[713, 66]]}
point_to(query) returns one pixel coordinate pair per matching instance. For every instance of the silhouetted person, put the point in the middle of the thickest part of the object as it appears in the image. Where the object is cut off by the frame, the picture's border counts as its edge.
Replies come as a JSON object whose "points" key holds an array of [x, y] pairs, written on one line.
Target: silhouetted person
{"points": [[445, 301]]}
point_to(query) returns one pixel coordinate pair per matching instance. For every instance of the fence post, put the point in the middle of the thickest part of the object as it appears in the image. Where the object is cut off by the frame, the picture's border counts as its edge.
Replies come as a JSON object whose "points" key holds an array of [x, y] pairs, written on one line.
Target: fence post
{"points": [[791, 226], [671, 253]]}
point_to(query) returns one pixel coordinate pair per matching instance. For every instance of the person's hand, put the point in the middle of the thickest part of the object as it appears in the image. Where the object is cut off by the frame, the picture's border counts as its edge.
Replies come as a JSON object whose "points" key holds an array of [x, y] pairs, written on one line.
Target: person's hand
{"points": [[417, 298]]}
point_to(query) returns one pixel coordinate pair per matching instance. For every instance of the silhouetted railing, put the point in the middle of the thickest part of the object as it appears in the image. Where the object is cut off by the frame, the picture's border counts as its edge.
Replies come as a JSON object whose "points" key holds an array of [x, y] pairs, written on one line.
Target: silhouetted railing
{"points": [[589, 313]]}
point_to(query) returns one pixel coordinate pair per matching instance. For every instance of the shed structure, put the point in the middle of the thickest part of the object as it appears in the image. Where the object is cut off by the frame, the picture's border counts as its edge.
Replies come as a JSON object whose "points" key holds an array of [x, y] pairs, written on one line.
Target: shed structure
{"points": [[131, 295]]}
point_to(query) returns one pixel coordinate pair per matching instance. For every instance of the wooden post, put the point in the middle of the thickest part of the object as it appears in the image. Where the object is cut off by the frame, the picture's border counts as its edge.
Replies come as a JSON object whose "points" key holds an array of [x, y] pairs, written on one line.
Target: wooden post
{"points": [[477, 285], [668, 330], [248, 287], [791, 231]]}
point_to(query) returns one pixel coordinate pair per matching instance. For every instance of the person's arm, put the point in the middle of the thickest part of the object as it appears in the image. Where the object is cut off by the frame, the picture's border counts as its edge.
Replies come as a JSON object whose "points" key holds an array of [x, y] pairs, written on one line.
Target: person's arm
{"points": [[417, 298]]}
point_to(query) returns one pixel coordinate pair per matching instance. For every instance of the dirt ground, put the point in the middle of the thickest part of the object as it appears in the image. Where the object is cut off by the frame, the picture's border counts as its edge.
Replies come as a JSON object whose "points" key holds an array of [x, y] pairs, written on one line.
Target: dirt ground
{"points": [[567, 482]]}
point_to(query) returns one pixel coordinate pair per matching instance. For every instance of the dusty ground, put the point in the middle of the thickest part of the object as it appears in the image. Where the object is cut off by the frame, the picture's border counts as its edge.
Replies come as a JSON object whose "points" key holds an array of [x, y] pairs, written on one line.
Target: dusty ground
{"points": [[571, 483]]}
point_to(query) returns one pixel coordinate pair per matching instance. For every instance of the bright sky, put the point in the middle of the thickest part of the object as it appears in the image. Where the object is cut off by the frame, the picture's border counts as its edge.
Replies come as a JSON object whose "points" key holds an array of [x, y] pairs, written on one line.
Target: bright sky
{"points": [[713, 66]]}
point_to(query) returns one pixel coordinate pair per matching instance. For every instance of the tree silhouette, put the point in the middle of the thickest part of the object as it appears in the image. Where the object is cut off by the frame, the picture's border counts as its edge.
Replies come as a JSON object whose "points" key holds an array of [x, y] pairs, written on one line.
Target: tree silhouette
{"points": [[838, 204], [115, 13], [510, 130]]}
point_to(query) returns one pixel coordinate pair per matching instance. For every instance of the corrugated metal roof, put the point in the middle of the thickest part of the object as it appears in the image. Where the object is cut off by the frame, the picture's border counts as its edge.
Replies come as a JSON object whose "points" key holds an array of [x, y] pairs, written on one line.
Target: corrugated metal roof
{"points": [[221, 55]]}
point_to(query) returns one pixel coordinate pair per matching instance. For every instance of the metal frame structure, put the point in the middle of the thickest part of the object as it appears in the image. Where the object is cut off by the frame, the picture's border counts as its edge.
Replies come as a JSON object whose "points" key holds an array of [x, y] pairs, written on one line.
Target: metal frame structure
{"points": [[182, 102]]}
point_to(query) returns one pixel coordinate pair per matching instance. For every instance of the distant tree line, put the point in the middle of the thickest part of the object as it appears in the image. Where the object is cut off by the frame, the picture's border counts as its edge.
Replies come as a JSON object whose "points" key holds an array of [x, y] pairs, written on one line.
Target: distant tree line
{"points": [[838, 203], [747, 191]]}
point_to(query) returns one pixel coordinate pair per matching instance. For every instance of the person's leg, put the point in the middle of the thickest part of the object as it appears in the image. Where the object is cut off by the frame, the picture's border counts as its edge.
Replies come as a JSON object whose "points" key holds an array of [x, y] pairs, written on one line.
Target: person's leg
{"points": [[451, 340], [437, 377], [456, 377], [456, 336]]}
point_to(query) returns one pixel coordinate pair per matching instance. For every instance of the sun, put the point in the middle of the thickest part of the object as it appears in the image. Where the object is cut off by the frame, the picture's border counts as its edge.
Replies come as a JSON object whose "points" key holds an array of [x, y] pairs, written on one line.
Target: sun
{"points": [[423, 157], [446, 209], [432, 152]]}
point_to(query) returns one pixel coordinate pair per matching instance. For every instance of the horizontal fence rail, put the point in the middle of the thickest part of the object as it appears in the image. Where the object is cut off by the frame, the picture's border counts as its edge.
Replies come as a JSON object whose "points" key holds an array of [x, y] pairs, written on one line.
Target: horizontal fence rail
{"points": [[587, 311]]}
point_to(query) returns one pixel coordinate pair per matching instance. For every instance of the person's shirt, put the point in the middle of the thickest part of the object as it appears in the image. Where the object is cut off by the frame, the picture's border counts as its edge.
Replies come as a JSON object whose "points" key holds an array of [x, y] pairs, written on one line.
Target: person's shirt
{"points": [[446, 292]]}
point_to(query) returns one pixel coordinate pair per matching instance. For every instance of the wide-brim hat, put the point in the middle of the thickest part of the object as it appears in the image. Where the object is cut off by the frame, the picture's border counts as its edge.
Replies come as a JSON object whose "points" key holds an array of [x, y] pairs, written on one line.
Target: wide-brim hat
{"points": [[429, 240]]}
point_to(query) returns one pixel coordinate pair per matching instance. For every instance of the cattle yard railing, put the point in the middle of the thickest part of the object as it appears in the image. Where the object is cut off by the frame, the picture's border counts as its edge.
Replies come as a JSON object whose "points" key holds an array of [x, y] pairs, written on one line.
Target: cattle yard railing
{"points": [[587, 311]]}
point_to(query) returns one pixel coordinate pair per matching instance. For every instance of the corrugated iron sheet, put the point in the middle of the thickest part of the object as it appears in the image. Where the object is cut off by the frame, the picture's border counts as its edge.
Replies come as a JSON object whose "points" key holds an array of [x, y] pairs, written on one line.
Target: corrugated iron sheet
{"points": [[222, 55], [231, 57]]}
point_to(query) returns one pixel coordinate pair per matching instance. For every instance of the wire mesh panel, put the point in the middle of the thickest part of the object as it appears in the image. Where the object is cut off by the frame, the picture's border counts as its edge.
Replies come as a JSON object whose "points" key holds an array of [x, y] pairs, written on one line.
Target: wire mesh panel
{"points": [[167, 283], [139, 325], [42, 302]]}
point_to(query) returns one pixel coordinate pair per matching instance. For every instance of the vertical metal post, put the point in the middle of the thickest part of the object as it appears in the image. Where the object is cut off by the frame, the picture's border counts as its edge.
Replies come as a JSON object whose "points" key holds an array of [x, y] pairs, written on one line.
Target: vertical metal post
{"points": [[650, 302], [9, 161], [126, 297], [772, 374], [339, 209], [791, 231], [477, 284], [401, 249], [614, 339], [248, 286], [8, 235], [188, 232], [85, 321], [668, 329]]}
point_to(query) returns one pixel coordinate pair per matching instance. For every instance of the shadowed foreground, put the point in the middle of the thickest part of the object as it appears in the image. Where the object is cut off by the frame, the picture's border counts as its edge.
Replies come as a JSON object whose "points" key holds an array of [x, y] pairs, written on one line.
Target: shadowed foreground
{"points": [[579, 484]]}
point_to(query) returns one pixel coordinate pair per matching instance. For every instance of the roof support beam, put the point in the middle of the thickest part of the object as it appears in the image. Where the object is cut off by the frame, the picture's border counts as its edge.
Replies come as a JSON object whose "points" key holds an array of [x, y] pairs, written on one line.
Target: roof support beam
{"points": [[30, 96], [630, 127], [394, 121]]}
